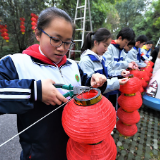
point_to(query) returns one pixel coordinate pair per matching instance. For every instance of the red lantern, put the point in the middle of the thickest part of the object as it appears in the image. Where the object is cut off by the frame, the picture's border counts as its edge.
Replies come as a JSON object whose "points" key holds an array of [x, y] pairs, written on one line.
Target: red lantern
{"points": [[22, 23], [139, 75], [151, 63], [1, 28], [22, 26], [106, 150], [33, 24], [7, 39], [86, 123], [34, 19], [126, 130], [144, 83], [141, 90], [33, 28], [130, 103], [136, 73], [88, 120], [4, 31], [132, 86], [150, 75], [148, 69], [3, 35], [130, 100], [129, 118], [144, 75]]}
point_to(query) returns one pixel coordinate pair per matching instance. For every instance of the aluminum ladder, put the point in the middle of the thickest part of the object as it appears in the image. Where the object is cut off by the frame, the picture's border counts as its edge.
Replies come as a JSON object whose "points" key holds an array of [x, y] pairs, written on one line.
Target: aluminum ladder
{"points": [[79, 9], [158, 42]]}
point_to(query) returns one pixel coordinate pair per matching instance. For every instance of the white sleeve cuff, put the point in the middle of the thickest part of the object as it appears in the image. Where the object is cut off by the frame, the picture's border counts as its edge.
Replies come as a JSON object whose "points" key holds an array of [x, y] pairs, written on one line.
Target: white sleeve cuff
{"points": [[35, 90]]}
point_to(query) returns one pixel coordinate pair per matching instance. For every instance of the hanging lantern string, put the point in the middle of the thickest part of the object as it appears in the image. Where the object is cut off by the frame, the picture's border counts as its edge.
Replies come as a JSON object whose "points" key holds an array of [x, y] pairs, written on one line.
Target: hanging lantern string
{"points": [[40, 119]]}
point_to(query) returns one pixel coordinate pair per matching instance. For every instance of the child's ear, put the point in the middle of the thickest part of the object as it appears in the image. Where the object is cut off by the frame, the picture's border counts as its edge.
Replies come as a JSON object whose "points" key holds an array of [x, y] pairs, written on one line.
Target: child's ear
{"points": [[37, 34], [95, 43], [120, 37], [138, 42]]}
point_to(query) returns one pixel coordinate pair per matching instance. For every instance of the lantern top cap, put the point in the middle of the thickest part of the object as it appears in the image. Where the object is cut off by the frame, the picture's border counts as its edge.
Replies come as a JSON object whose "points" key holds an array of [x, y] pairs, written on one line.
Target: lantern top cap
{"points": [[88, 98], [129, 76]]}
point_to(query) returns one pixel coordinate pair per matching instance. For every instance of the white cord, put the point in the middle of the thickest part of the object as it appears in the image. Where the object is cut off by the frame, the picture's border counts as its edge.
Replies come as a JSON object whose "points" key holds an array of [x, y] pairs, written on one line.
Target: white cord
{"points": [[35, 122]]}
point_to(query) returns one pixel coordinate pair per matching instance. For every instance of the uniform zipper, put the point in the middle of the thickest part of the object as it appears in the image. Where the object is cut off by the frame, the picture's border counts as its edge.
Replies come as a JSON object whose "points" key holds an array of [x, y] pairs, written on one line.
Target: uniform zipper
{"points": [[60, 72]]}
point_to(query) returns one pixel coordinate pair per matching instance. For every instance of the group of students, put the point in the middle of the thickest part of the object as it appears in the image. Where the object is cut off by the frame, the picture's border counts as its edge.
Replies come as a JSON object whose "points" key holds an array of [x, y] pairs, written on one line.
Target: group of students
{"points": [[101, 54], [27, 80]]}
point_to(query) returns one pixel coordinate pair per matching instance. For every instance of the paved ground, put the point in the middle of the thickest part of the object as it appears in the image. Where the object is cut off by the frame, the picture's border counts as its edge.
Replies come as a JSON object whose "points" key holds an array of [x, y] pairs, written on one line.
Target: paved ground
{"points": [[144, 145], [11, 150]]}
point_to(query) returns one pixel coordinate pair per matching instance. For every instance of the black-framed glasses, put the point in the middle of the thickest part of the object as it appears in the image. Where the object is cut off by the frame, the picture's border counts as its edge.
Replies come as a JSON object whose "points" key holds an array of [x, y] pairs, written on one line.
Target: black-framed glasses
{"points": [[56, 42]]}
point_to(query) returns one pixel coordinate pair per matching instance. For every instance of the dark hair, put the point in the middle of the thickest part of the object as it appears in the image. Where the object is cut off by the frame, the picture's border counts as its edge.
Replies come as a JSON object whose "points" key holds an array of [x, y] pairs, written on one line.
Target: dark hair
{"points": [[149, 42], [47, 15], [132, 42], [101, 35], [142, 38], [126, 33]]}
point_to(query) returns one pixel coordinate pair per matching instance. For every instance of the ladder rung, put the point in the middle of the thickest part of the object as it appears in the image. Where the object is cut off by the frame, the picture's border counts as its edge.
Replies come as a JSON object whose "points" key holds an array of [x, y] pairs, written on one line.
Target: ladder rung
{"points": [[75, 51], [77, 40], [77, 61], [80, 7], [82, 30], [79, 29], [79, 18]]}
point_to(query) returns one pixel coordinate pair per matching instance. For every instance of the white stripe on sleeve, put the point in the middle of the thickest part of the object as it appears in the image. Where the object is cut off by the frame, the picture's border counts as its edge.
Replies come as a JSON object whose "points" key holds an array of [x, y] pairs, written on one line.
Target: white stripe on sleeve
{"points": [[35, 90], [14, 96], [15, 90]]}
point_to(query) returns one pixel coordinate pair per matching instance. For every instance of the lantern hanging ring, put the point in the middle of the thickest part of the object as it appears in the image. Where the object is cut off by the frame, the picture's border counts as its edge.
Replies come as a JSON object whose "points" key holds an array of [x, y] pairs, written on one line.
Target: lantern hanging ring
{"points": [[87, 99]]}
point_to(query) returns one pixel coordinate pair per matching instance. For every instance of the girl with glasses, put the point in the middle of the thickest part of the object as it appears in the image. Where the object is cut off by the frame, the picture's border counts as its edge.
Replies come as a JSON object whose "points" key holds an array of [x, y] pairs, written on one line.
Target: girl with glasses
{"points": [[28, 79]]}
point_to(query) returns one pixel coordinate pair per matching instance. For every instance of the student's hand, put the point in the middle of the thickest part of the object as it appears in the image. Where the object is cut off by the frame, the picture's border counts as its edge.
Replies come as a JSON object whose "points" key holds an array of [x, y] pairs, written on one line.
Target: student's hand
{"points": [[146, 62], [97, 80], [130, 65], [123, 81], [134, 64], [125, 73], [50, 95]]}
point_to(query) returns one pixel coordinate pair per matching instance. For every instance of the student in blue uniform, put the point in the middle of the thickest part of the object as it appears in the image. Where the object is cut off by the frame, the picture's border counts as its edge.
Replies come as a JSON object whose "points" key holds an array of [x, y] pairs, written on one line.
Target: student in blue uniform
{"points": [[146, 51], [135, 53], [92, 60], [130, 45], [26, 82], [115, 57]]}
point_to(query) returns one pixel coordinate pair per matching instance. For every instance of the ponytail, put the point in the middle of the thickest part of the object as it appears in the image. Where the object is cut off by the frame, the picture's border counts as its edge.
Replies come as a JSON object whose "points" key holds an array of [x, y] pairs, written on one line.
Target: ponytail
{"points": [[88, 42], [101, 35]]}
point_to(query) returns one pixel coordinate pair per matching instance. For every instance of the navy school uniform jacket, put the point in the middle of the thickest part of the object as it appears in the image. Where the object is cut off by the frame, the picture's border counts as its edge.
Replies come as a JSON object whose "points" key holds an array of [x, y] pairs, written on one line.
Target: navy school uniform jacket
{"points": [[21, 94]]}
